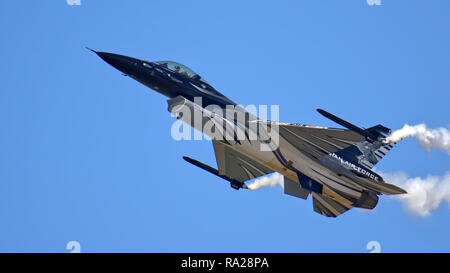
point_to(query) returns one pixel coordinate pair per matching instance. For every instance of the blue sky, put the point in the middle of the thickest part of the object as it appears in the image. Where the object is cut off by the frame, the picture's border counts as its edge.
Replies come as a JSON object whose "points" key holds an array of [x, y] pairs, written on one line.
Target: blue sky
{"points": [[86, 154]]}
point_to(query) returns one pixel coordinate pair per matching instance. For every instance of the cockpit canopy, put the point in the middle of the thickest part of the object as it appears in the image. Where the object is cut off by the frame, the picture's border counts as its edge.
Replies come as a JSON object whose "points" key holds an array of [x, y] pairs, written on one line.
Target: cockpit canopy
{"points": [[178, 68]]}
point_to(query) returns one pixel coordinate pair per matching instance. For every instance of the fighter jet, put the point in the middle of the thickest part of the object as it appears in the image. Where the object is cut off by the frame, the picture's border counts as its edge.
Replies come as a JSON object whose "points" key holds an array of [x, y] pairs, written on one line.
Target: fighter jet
{"points": [[333, 165]]}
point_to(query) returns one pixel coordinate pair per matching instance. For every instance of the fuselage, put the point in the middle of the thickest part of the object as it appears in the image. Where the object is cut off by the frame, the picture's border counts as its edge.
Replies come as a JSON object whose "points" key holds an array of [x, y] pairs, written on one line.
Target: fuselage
{"points": [[177, 81], [168, 78]]}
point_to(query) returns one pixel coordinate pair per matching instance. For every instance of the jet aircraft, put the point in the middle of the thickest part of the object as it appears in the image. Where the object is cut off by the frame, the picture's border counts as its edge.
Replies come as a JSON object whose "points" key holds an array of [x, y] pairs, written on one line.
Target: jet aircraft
{"points": [[333, 165]]}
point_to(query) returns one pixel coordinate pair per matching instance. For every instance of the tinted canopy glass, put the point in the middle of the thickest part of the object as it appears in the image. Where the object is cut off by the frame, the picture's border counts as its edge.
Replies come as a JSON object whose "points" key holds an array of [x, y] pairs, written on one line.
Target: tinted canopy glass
{"points": [[178, 68]]}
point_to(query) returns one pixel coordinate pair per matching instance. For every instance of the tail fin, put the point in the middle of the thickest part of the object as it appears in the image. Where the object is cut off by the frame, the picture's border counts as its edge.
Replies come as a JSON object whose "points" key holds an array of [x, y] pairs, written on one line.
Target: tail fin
{"points": [[367, 153]]}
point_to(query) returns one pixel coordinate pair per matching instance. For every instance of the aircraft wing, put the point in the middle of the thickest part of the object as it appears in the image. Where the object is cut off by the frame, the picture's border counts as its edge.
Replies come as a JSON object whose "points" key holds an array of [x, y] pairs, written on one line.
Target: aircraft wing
{"points": [[235, 165], [317, 141]]}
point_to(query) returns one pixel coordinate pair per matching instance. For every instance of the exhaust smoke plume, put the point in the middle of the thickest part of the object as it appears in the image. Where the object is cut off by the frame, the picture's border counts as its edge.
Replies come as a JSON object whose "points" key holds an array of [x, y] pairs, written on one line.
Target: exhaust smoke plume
{"points": [[267, 181], [428, 138], [424, 194]]}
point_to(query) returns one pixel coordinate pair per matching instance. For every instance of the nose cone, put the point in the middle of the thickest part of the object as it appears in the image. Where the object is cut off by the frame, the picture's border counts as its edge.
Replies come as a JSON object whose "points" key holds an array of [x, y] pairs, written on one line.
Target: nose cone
{"points": [[125, 64]]}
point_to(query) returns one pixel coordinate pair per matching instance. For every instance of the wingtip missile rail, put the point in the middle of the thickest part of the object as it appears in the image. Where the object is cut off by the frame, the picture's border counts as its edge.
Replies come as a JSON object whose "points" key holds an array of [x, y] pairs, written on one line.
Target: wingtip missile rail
{"points": [[233, 183]]}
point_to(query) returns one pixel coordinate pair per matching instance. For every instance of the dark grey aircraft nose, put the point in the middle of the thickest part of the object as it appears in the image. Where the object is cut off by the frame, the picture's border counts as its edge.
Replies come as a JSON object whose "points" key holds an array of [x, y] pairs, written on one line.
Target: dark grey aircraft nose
{"points": [[125, 64]]}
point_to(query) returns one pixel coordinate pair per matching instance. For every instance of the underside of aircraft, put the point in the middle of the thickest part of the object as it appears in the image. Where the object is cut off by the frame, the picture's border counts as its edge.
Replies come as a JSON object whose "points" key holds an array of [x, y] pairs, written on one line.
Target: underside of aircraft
{"points": [[333, 165]]}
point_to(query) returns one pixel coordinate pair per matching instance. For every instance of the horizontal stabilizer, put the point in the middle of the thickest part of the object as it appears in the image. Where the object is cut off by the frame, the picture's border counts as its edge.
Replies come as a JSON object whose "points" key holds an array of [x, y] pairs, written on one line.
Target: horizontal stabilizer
{"points": [[381, 187]]}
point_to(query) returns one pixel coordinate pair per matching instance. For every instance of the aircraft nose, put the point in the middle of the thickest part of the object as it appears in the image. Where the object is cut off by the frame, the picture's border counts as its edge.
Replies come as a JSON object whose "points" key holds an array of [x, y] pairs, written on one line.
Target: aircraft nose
{"points": [[122, 63]]}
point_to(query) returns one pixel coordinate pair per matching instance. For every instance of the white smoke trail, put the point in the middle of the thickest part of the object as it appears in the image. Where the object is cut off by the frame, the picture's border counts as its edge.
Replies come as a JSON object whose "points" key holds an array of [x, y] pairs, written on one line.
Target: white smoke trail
{"points": [[428, 138], [424, 194], [267, 181]]}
